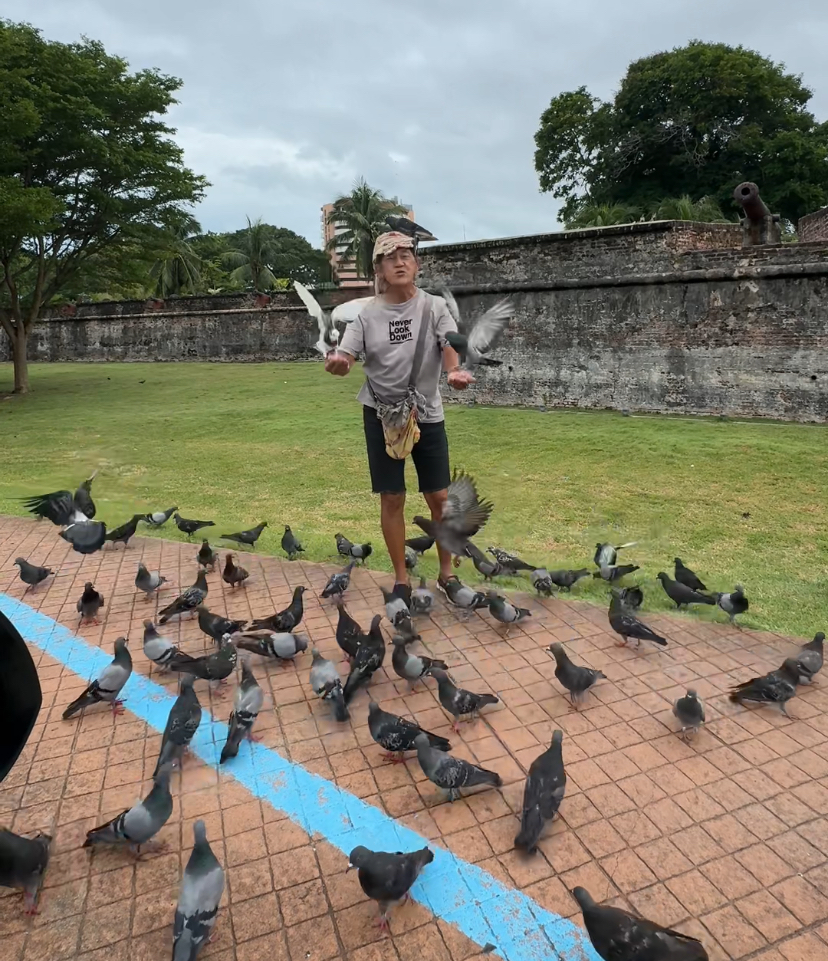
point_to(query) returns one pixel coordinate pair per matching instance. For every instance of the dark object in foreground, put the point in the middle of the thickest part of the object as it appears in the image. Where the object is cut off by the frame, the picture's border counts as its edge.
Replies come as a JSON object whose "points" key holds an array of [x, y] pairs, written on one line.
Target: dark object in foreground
{"points": [[387, 878], [23, 863], [542, 795], [20, 695]]}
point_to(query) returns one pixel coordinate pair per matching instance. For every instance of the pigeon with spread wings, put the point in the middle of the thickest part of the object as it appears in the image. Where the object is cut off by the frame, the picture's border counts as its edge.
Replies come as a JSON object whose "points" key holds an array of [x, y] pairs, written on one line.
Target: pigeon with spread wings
{"points": [[464, 515], [483, 335], [328, 334]]}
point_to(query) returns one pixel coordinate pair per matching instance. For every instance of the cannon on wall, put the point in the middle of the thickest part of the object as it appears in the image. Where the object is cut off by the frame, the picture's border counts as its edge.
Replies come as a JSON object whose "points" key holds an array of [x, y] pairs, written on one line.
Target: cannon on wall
{"points": [[759, 225]]}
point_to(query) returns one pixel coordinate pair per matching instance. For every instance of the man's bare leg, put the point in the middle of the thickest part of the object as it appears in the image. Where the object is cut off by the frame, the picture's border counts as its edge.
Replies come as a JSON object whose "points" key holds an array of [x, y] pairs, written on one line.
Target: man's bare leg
{"points": [[392, 517], [436, 501]]}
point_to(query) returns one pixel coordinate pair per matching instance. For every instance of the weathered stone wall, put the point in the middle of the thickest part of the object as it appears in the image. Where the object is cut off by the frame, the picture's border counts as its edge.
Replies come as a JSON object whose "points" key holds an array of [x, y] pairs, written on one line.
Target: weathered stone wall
{"points": [[813, 226]]}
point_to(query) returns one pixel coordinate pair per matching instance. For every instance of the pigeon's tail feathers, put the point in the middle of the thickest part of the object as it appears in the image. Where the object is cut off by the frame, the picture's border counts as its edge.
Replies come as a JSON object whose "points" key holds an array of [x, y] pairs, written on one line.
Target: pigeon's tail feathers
{"points": [[340, 708], [233, 742], [479, 775], [657, 639], [439, 743], [531, 826], [78, 705], [484, 699]]}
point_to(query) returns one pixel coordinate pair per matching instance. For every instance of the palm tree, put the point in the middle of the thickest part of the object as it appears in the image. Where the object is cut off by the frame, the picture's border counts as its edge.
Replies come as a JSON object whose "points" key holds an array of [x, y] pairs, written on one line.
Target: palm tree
{"points": [[250, 261], [706, 210], [360, 215], [178, 267], [602, 215]]}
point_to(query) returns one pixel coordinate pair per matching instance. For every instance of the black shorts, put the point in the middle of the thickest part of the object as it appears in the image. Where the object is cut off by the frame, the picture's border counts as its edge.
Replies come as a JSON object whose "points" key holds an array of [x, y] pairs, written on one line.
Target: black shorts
{"points": [[430, 456]]}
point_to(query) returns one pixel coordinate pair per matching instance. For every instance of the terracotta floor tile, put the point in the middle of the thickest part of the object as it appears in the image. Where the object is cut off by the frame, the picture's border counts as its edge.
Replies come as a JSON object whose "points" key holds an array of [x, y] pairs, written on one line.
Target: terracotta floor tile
{"points": [[767, 915], [763, 864], [802, 900], [255, 917], [628, 871], [806, 947], [733, 932], [663, 858], [422, 944], [271, 947]]}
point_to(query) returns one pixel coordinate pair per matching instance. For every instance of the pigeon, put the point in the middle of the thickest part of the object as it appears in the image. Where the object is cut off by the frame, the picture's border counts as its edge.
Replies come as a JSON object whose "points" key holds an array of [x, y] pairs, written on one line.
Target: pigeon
{"points": [[482, 564], [734, 603], [411, 558], [62, 507], [338, 583], [288, 619], [542, 582], [290, 545], [628, 625], [618, 935], [148, 581], [210, 667], [86, 537], [566, 580], [575, 678], [216, 626], [247, 703], [368, 659], [404, 629], [509, 563], [542, 794], [31, 574], [182, 723], [615, 573], [778, 687], [690, 712], [187, 601], [387, 878], [681, 594], [395, 606], [606, 555], [122, 534], [159, 518], [631, 597], [397, 734], [461, 596], [246, 538], [360, 552], [189, 527], [504, 612], [420, 544], [348, 311], [451, 773], [280, 645], [202, 886], [89, 603], [809, 659], [159, 649], [233, 574], [483, 334], [328, 334], [348, 632], [327, 684], [685, 576], [107, 686], [456, 701], [405, 226], [142, 821], [23, 863], [206, 556], [464, 514], [412, 667], [422, 600], [343, 545]]}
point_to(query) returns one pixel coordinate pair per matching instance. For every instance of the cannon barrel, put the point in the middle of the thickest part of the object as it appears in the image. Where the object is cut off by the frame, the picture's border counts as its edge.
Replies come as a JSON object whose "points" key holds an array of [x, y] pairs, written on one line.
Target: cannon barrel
{"points": [[747, 196]]}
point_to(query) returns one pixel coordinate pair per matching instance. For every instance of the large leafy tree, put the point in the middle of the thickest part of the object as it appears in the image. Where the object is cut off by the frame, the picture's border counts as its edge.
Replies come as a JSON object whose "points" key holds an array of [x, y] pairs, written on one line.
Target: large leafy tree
{"points": [[250, 258], [178, 268], [284, 254], [87, 166], [693, 121], [361, 216]]}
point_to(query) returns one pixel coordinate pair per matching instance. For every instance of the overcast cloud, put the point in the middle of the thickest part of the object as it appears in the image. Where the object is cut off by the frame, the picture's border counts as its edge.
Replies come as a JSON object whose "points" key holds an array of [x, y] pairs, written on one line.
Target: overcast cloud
{"points": [[284, 104]]}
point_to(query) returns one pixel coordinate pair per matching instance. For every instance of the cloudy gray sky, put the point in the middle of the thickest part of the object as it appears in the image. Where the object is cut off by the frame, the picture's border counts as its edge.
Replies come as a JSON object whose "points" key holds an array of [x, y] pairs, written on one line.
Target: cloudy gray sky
{"points": [[284, 104]]}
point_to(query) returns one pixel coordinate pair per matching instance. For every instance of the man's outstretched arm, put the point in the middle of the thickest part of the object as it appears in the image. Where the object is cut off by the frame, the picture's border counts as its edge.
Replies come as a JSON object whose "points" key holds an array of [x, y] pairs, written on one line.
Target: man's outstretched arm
{"points": [[339, 362]]}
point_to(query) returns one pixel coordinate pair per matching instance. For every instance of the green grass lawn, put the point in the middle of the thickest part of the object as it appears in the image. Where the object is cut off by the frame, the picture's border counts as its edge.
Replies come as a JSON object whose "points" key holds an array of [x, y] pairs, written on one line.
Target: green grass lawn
{"points": [[241, 443]]}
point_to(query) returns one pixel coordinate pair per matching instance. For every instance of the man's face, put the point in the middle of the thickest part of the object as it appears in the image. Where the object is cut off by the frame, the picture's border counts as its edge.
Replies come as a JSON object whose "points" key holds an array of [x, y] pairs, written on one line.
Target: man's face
{"points": [[399, 268]]}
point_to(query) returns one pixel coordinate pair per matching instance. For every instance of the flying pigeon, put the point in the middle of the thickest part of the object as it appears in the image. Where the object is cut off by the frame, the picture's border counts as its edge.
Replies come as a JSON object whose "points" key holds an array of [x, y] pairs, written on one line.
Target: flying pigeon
{"points": [[397, 734], [206, 556], [509, 563], [23, 863], [338, 583], [681, 594], [451, 773], [482, 563], [187, 601], [613, 574], [408, 227], [396, 607], [122, 534], [89, 603], [215, 625], [86, 537], [461, 596], [575, 678], [456, 701], [504, 612], [690, 712], [483, 333], [107, 686], [288, 619], [734, 603], [159, 649], [148, 581], [31, 574], [280, 645], [628, 625], [246, 538], [387, 878], [412, 667], [809, 659], [62, 507], [687, 577], [348, 632], [327, 684], [159, 518], [464, 514], [233, 574], [542, 794], [348, 311], [606, 555], [142, 821], [247, 703], [542, 582], [422, 600], [368, 659], [328, 334], [566, 580], [202, 886], [777, 687], [182, 723], [190, 527]]}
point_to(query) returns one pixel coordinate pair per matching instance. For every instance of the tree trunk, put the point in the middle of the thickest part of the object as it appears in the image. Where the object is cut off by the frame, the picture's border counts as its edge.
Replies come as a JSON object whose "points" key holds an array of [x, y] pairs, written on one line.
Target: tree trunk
{"points": [[21, 363]]}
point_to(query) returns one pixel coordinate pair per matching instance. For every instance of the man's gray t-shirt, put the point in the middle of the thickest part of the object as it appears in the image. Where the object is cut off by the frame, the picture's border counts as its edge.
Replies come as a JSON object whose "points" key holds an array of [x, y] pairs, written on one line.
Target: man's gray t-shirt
{"points": [[386, 337]]}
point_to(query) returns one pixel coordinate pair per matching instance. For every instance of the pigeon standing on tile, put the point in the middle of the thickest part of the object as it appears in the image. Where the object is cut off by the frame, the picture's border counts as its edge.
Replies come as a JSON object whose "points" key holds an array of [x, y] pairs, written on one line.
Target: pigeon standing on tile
{"points": [[182, 723], [122, 534], [279, 645], [159, 649], [422, 600], [142, 821], [246, 538], [504, 612], [464, 514], [348, 632], [397, 734], [367, 661], [542, 582], [734, 603], [458, 702], [412, 667], [287, 620], [159, 518], [212, 667], [542, 795], [387, 878], [628, 625], [690, 712], [777, 687], [202, 886], [327, 684], [206, 556], [291, 545], [809, 659], [566, 580], [458, 594], [451, 773], [338, 583], [215, 625], [188, 600], [148, 581], [31, 574], [189, 527], [687, 577], [89, 603], [108, 685], [575, 678], [23, 863], [395, 606], [680, 594], [233, 574], [247, 703]]}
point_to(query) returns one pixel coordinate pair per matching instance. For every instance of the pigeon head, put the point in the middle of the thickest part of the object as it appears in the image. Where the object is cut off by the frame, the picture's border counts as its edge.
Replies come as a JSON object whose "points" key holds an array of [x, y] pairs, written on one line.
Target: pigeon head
{"points": [[287, 529], [583, 897], [359, 857], [375, 621], [557, 737], [20, 561], [200, 832], [299, 591], [692, 694], [425, 524], [398, 640], [678, 562], [438, 674], [301, 642], [315, 653], [121, 644], [663, 577], [149, 626]]}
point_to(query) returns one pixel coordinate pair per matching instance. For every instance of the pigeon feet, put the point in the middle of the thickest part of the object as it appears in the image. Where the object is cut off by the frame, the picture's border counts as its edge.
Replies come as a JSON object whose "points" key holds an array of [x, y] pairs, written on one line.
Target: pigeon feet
{"points": [[118, 707], [392, 758]]}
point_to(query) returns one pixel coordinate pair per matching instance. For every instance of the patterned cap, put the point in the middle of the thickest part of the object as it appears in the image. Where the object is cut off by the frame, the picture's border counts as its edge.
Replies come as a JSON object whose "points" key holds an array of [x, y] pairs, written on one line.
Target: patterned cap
{"points": [[389, 242]]}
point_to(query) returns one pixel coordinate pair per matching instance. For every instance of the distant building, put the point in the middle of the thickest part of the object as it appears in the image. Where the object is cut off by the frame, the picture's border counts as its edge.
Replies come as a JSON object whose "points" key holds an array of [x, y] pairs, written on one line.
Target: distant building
{"points": [[344, 270]]}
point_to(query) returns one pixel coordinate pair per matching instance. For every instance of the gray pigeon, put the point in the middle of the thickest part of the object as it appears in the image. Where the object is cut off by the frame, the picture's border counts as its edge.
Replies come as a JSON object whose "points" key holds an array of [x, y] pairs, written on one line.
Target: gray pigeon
{"points": [[483, 335], [567, 579], [23, 863], [207, 556], [451, 773], [188, 600], [411, 667], [504, 612], [182, 723], [148, 581], [246, 538], [615, 573], [86, 537], [288, 619], [89, 603], [142, 821], [387, 878], [215, 625], [159, 649], [809, 659], [575, 678], [397, 734], [777, 687], [159, 518], [246, 706], [291, 545], [359, 552], [202, 886], [31, 574], [280, 645], [509, 563], [690, 712], [217, 666], [618, 935], [461, 596], [395, 606], [405, 630], [542, 795], [482, 563], [338, 583], [422, 600], [734, 603], [464, 514], [107, 686], [606, 555], [456, 701], [411, 558], [628, 625], [681, 594], [542, 581], [327, 684]]}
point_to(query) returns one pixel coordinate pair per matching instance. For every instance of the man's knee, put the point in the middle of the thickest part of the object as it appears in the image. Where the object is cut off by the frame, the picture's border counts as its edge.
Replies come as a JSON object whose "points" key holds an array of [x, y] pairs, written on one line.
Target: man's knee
{"points": [[436, 501], [392, 503]]}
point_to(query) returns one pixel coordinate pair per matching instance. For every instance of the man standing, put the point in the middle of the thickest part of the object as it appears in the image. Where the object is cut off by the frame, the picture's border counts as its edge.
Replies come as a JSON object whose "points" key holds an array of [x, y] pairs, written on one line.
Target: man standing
{"points": [[386, 334]]}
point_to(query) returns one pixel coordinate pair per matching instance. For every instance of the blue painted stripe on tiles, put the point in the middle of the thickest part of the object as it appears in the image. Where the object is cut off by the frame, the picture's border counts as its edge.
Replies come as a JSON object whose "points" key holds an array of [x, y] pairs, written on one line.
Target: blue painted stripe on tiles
{"points": [[460, 893]]}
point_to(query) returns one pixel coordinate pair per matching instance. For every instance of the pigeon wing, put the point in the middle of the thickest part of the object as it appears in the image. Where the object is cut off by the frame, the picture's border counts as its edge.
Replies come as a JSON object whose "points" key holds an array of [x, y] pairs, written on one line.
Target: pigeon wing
{"points": [[490, 326]]}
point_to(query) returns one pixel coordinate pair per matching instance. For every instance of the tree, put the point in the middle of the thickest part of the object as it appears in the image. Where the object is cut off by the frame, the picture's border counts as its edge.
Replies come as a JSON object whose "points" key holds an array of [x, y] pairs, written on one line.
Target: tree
{"points": [[602, 215], [86, 167], [287, 255], [177, 269], [251, 257], [706, 210], [361, 215], [693, 121]]}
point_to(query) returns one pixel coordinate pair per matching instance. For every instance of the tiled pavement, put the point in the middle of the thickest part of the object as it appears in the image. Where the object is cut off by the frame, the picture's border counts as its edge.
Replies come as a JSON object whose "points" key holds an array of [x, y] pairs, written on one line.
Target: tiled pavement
{"points": [[726, 837]]}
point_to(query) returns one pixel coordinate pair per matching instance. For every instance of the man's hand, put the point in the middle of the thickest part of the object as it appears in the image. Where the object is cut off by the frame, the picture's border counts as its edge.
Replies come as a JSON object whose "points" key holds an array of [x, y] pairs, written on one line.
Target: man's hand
{"points": [[337, 363], [460, 379]]}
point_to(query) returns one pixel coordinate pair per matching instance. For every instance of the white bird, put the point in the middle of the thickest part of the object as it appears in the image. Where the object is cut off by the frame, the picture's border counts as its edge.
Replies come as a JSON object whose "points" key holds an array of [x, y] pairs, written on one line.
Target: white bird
{"points": [[328, 334], [349, 311]]}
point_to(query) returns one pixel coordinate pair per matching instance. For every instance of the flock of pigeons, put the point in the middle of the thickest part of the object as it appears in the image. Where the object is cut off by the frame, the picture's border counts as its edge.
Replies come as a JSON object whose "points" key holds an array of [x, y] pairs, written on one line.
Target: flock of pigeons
{"points": [[385, 876]]}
